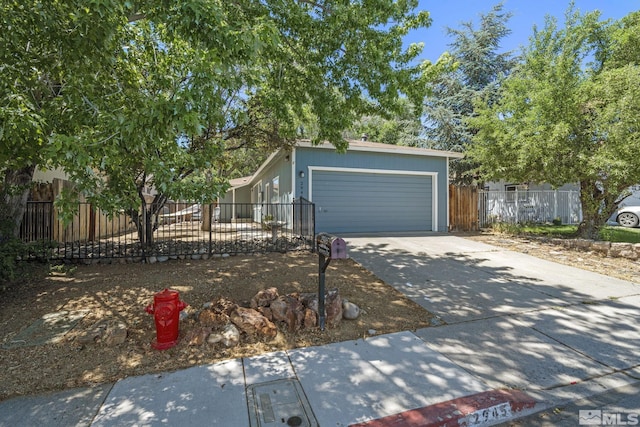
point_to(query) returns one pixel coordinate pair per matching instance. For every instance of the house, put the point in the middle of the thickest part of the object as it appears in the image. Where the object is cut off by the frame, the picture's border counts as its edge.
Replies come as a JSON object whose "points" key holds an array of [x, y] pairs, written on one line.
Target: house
{"points": [[371, 188]]}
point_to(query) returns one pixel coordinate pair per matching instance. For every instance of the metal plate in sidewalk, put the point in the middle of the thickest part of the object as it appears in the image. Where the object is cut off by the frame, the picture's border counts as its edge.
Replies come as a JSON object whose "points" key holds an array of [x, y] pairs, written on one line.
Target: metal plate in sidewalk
{"points": [[279, 403]]}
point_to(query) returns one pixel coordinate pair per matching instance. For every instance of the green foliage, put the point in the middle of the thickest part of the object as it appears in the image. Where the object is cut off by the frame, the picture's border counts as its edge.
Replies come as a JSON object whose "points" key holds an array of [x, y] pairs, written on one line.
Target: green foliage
{"points": [[128, 96], [506, 228], [567, 114], [267, 222], [12, 252], [548, 230], [477, 68], [402, 127], [606, 233], [175, 95], [620, 234]]}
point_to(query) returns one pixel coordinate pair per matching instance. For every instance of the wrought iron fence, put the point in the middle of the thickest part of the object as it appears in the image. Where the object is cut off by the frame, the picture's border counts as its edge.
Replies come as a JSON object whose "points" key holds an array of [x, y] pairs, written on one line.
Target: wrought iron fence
{"points": [[181, 230], [524, 206]]}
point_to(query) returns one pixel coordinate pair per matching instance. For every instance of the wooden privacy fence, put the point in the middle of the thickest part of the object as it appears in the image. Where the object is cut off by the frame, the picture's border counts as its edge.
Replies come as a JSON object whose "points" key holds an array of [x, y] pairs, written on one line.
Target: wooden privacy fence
{"points": [[463, 208]]}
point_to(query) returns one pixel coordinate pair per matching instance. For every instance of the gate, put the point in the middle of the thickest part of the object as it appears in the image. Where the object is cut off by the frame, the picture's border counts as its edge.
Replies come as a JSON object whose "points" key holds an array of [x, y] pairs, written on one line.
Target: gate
{"points": [[463, 208]]}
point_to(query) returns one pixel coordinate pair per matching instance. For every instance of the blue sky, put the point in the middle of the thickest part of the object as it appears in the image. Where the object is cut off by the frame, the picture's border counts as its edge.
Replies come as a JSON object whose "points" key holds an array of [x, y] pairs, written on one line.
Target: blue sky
{"points": [[526, 14]]}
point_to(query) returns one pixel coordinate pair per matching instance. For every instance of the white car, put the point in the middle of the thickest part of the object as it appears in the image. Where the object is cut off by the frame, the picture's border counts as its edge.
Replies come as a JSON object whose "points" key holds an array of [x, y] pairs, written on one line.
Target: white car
{"points": [[628, 216]]}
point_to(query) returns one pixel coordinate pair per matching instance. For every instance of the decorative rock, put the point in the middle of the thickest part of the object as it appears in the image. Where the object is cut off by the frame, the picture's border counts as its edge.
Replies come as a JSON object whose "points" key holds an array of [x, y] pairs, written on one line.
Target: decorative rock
{"points": [[230, 336], [266, 312], [310, 300], [197, 336], [310, 318], [116, 333], [223, 305], [152, 260], [601, 247], [252, 322], [629, 254], [617, 249], [289, 310], [295, 314], [163, 258], [215, 338], [208, 317], [584, 244], [333, 308], [196, 256], [279, 309], [264, 298], [94, 333], [372, 332], [350, 311]]}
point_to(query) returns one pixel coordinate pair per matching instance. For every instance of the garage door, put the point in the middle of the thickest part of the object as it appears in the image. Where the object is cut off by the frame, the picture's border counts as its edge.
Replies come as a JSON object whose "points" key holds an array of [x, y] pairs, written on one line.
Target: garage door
{"points": [[371, 202]]}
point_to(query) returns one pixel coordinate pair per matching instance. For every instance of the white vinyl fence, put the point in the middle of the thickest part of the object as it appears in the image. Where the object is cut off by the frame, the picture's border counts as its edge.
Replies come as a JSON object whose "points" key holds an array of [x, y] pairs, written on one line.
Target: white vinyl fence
{"points": [[528, 206]]}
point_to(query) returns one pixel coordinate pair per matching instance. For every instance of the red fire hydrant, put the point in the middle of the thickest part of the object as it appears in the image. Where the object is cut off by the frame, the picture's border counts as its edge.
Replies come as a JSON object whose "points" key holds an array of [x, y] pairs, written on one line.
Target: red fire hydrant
{"points": [[166, 310]]}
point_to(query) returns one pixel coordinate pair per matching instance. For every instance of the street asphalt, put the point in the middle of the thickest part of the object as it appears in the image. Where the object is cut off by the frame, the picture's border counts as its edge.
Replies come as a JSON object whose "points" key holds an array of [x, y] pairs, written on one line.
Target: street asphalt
{"points": [[518, 337]]}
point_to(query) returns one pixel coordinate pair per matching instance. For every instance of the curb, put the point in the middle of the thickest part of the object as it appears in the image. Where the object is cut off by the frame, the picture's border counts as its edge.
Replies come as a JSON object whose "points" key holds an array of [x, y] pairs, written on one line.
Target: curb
{"points": [[486, 408]]}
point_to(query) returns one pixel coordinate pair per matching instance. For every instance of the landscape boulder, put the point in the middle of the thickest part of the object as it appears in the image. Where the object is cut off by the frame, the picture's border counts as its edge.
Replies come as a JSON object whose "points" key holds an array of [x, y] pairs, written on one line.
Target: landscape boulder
{"points": [[116, 333], [333, 308], [264, 298], [197, 336], [229, 337], [350, 311], [252, 322]]}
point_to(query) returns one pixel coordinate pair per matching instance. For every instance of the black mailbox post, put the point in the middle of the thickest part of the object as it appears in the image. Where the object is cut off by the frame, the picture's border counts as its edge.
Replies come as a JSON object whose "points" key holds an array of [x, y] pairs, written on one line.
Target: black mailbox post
{"points": [[329, 247]]}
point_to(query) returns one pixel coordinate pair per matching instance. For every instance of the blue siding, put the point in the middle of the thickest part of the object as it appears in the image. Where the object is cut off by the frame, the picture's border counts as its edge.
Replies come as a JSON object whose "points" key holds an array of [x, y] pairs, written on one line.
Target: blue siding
{"points": [[306, 157], [281, 168]]}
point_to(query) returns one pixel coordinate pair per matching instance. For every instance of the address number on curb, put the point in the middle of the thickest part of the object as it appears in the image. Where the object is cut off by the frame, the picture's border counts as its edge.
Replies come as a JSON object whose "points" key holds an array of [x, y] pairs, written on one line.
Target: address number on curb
{"points": [[483, 417]]}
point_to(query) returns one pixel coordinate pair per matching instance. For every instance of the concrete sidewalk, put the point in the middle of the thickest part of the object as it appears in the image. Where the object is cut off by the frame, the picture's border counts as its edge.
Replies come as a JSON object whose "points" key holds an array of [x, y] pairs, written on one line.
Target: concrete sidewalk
{"points": [[334, 385], [520, 335]]}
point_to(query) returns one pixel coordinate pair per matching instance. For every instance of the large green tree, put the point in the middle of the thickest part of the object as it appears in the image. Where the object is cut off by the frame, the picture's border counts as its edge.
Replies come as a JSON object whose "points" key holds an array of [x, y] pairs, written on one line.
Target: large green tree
{"points": [[477, 66], [130, 94], [569, 114], [401, 127]]}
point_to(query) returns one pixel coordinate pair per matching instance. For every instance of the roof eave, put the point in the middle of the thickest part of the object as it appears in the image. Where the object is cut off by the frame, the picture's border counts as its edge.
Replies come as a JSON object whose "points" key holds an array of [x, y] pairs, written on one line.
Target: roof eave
{"points": [[386, 148]]}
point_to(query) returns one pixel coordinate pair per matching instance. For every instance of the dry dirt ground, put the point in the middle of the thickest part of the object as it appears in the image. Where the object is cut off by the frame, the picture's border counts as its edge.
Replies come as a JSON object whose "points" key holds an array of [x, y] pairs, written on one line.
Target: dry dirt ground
{"points": [[121, 292]]}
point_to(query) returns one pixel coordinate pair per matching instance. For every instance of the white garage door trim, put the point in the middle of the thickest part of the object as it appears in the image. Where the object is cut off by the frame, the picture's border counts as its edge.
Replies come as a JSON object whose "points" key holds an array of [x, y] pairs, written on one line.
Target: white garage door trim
{"points": [[433, 175]]}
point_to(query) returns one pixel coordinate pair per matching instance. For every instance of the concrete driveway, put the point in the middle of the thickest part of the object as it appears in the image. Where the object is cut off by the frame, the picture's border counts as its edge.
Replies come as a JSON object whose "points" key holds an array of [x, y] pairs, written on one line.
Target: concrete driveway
{"points": [[462, 280], [511, 319]]}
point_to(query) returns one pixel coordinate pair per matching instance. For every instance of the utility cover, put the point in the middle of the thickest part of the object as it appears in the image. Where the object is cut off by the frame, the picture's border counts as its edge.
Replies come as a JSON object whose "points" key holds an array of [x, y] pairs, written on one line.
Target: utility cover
{"points": [[279, 403]]}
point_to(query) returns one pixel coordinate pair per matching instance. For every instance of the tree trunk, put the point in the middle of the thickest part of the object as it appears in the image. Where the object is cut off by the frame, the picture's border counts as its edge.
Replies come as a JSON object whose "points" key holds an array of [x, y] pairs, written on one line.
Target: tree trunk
{"points": [[593, 201], [146, 219], [15, 193]]}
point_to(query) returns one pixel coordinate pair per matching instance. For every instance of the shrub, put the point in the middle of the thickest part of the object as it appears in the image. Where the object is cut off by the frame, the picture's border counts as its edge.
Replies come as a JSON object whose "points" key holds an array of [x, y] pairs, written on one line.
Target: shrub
{"points": [[12, 252]]}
